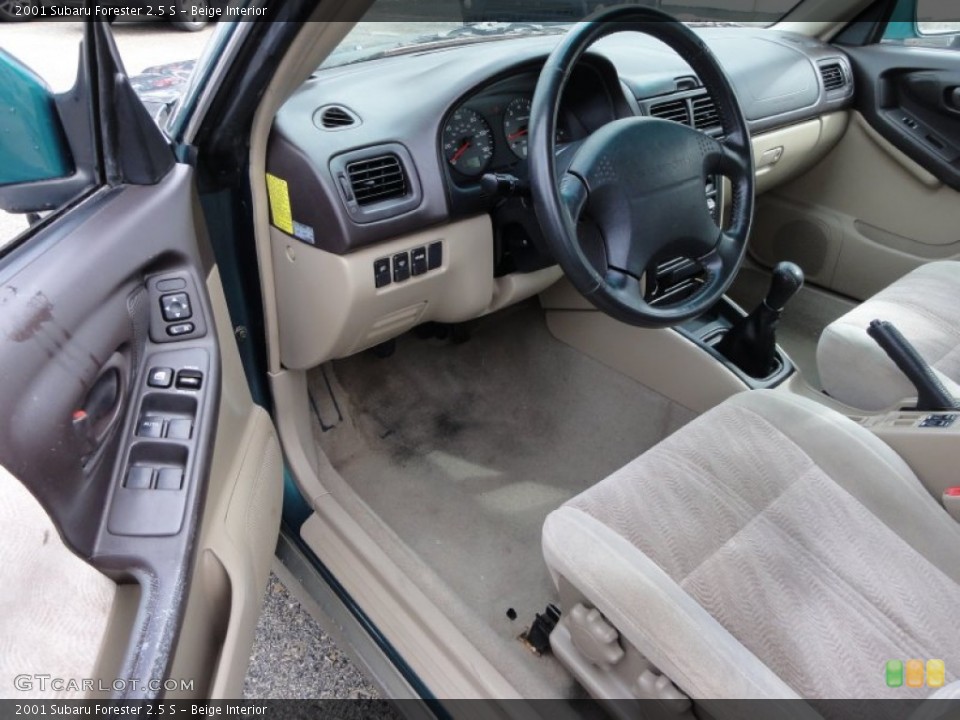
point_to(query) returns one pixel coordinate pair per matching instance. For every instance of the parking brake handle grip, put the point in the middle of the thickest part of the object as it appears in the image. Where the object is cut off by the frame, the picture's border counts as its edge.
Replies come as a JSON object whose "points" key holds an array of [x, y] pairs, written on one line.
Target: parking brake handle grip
{"points": [[931, 394]]}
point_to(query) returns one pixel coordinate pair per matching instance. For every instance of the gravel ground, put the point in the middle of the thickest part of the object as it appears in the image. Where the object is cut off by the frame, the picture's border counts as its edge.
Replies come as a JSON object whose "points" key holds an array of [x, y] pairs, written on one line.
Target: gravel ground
{"points": [[293, 658]]}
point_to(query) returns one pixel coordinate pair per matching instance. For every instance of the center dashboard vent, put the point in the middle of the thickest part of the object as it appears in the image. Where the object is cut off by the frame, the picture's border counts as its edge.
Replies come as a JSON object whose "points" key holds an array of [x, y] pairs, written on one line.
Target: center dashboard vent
{"points": [[833, 76], [336, 117], [676, 110], [377, 179], [699, 111]]}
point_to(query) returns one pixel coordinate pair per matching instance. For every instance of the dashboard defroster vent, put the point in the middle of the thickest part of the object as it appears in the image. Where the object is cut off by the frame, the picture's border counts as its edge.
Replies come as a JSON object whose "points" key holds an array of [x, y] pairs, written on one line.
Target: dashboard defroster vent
{"points": [[676, 110], [833, 76], [336, 117], [377, 179]]}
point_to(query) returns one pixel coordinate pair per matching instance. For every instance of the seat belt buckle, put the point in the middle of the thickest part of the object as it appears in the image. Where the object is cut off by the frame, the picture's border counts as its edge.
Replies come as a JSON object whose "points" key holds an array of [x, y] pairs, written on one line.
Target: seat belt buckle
{"points": [[951, 501]]}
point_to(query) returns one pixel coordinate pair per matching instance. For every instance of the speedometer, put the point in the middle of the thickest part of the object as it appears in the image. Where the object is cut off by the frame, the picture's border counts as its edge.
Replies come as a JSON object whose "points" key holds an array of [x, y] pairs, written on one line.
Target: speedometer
{"points": [[468, 142], [516, 120]]}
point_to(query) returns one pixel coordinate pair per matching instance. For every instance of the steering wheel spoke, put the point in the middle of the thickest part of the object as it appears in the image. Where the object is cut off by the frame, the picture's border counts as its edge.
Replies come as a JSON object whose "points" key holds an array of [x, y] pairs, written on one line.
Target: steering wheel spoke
{"points": [[574, 195]]}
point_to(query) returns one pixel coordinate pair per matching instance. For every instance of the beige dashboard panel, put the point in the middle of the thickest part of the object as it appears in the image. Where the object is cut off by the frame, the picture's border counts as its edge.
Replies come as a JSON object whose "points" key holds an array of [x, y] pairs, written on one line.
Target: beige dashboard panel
{"points": [[55, 609], [329, 307], [863, 217]]}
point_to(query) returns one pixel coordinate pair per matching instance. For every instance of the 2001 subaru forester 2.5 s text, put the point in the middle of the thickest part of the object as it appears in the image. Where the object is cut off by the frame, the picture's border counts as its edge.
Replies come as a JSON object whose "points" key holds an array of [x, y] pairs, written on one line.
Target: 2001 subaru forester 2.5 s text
{"points": [[632, 338]]}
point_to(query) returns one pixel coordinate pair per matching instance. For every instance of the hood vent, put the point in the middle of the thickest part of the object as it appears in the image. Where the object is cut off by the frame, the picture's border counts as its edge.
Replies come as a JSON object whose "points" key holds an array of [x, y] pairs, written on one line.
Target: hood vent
{"points": [[336, 117], [675, 110], [377, 179], [833, 76]]}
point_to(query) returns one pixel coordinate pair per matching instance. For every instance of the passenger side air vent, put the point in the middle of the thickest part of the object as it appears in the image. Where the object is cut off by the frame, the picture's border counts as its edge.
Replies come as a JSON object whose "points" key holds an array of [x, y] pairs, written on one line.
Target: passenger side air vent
{"points": [[377, 179], [676, 110], [336, 117], [833, 76], [705, 115]]}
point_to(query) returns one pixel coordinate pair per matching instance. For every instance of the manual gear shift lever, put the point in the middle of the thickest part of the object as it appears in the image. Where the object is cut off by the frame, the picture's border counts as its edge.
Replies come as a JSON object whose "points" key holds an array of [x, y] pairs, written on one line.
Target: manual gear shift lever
{"points": [[751, 344]]}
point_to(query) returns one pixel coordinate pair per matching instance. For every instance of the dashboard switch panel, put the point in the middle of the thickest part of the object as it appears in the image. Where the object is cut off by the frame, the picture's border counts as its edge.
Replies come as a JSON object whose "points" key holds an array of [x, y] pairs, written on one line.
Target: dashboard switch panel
{"points": [[401, 267], [381, 272], [418, 261], [435, 256]]}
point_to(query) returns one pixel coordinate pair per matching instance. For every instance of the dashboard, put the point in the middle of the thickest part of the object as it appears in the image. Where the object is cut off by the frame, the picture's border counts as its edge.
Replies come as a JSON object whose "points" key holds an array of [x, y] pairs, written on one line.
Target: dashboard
{"points": [[377, 168]]}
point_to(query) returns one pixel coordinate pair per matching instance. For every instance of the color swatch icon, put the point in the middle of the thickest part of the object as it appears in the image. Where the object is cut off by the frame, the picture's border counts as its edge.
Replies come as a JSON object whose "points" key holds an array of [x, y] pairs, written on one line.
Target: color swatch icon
{"points": [[911, 673]]}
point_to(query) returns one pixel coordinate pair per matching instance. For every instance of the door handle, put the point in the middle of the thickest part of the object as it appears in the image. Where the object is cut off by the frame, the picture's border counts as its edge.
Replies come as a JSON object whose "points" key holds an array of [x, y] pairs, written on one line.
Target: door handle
{"points": [[101, 407]]}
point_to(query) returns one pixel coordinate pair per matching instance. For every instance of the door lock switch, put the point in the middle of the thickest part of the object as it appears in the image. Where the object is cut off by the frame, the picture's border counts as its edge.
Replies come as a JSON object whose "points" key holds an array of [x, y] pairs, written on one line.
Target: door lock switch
{"points": [[176, 307], [189, 379]]}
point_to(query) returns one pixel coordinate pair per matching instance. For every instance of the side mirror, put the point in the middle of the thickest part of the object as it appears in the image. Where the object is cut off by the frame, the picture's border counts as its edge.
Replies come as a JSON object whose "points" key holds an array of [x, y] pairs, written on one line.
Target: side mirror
{"points": [[37, 169]]}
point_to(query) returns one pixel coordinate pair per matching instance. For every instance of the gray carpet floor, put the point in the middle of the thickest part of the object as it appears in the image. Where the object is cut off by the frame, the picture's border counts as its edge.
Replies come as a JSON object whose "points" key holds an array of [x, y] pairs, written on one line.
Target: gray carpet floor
{"points": [[802, 322], [463, 449]]}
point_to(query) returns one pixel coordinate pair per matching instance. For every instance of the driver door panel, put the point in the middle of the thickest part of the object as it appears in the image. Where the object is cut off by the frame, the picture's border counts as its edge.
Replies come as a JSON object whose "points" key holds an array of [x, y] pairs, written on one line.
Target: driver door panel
{"points": [[112, 382]]}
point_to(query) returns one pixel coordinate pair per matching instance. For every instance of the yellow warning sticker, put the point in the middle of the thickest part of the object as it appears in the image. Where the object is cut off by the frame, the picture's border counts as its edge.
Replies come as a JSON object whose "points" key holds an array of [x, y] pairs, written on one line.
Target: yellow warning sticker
{"points": [[280, 203]]}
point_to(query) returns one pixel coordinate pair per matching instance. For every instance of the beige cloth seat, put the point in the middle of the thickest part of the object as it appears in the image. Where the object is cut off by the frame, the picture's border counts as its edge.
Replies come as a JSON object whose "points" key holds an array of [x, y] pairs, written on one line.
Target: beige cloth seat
{"points": [[770, 548], [925, 307]]}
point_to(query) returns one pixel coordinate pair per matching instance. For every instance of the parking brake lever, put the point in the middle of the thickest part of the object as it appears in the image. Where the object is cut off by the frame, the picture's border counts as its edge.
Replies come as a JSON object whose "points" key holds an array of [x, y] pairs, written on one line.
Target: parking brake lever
{"points": [[931, 393]]}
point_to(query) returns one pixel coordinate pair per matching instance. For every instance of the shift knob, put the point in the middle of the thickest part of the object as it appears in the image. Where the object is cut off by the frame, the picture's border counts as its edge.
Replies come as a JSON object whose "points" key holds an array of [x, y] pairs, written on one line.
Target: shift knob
{"points": [[787, 281]]}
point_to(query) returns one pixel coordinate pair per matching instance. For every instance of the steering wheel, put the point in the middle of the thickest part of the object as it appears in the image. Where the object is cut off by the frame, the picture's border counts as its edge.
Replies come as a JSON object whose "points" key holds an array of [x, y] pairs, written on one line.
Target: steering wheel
{"points": [[640, 182]]}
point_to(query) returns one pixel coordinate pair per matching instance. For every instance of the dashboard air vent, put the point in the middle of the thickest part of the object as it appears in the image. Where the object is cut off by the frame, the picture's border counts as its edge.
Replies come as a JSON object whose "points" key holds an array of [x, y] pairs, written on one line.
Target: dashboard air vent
{"points": [[705, 115], [377, 179], [676, 110], [833, 76], [337, 117]]}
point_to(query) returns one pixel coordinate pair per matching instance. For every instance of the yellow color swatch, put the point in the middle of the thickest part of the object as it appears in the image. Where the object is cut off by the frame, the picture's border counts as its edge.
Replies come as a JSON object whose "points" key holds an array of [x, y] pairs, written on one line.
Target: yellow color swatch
{"points": [[914, 673], [936, 673], [280, 203]]}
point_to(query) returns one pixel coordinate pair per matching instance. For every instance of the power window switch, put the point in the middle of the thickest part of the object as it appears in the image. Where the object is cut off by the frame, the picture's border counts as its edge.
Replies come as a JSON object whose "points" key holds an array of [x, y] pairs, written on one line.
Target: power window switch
{"points": [[160, 377], [189, 379], [150, 426], [170, 479], [381, 272], [401, 267], [179, 429], [139, 478], [418, 261]]}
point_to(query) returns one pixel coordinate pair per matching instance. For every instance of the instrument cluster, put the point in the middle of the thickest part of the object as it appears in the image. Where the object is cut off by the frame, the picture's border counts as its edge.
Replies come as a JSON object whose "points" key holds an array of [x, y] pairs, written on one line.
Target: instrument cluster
{"points": [[490, 132]]}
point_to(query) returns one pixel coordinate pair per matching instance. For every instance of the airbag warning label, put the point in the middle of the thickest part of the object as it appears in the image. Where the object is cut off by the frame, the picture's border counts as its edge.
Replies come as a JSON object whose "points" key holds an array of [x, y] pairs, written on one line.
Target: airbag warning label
{"points": [[280, 203]]}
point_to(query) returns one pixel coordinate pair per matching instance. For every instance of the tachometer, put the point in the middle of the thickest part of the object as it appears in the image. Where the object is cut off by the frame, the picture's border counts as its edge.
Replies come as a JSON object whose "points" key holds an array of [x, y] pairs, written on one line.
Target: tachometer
{"points": [[468, 142], [516, 118]]}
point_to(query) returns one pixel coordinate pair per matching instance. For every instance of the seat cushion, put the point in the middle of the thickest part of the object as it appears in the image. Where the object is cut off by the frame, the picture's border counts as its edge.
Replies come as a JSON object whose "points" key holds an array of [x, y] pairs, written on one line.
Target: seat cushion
{"points": [[770, 547], [925, 307]]}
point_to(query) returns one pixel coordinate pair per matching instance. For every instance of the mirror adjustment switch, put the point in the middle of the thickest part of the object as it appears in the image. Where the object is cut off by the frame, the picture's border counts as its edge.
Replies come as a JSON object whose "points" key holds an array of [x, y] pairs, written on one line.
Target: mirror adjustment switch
{"points": [[189, 379], [401, 267], [381, 272], [160, 377], [139, 478], [179, 429], [170, 479], [150, 426], [176, 307], [418, 261], [180, 329]]}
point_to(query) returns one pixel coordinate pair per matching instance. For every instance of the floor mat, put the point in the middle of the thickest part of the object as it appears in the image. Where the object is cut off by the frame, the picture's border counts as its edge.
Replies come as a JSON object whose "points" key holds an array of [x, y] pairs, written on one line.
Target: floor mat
{"points": [[463, 449]]}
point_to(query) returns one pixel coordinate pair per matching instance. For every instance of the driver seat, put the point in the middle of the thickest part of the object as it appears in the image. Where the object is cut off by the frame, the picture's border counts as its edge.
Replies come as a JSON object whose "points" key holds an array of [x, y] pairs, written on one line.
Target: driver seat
{"points": [[772, 548]]}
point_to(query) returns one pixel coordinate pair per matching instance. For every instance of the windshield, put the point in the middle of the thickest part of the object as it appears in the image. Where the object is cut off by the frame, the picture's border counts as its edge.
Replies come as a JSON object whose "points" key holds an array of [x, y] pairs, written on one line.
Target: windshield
{"points": [[398, 26]]}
